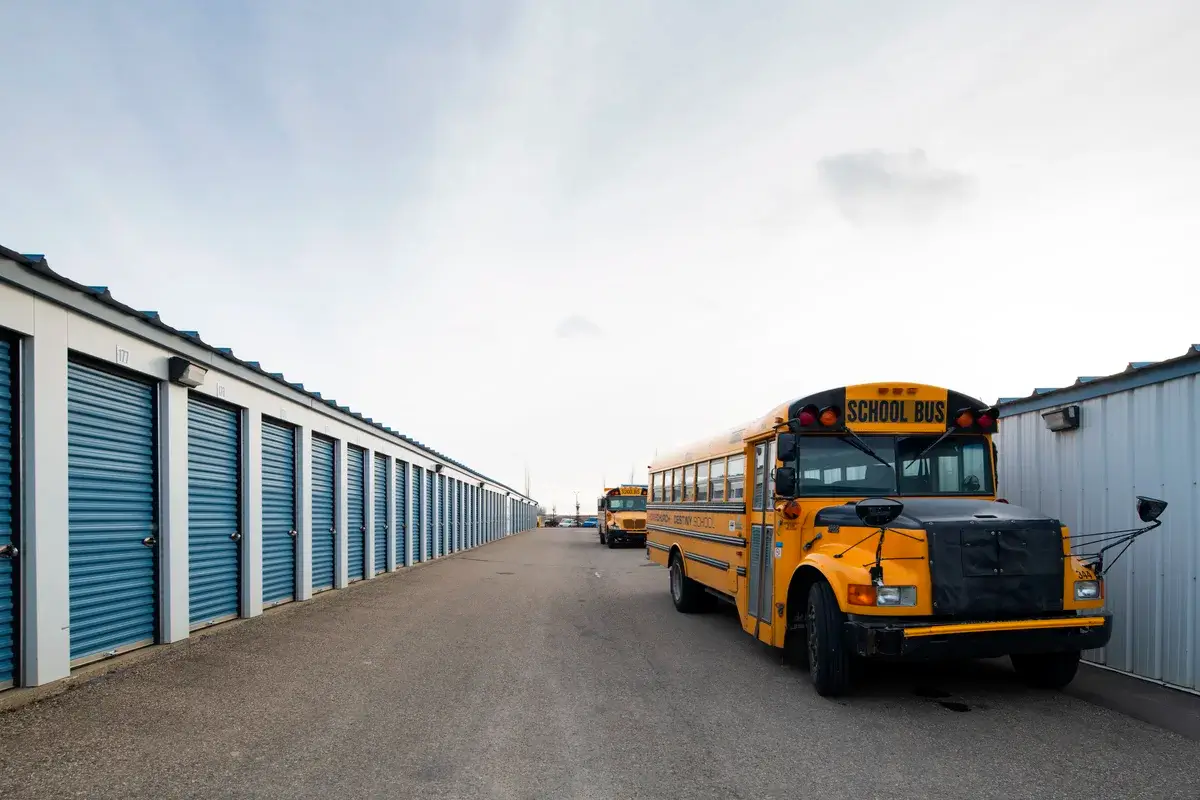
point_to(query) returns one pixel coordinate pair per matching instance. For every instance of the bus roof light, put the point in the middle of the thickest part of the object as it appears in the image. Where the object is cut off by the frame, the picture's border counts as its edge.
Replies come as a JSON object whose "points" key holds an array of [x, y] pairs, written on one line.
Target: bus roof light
{"points": [[965, 418], [985, 420], [829, 416], [807, 416]]}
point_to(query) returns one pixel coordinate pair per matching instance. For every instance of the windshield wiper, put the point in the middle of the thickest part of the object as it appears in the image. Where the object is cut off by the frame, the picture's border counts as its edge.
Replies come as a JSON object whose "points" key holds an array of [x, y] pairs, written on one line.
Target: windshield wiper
{"points": [[852, 438], [936, 442]]}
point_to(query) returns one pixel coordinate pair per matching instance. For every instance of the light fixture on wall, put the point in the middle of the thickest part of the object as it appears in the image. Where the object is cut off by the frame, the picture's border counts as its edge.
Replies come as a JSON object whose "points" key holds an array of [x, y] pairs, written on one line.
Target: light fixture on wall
{"points": [[1062, 419], [184, 372], [437, 468]]}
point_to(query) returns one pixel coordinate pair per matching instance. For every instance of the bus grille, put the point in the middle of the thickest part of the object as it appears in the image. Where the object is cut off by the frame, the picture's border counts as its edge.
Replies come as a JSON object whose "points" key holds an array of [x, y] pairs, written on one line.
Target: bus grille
{"points": [[633, 524]]}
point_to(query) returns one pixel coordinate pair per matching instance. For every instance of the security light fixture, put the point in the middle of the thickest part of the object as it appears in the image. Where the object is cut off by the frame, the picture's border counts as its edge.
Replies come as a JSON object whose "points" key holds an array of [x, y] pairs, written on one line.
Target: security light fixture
{"points": [[1062, 419], [184, 372], [437, 468]]}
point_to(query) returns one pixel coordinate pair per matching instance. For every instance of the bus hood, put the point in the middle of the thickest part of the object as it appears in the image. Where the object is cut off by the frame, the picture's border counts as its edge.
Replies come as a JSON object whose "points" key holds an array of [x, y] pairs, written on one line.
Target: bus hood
{"points": [[986, 559]]}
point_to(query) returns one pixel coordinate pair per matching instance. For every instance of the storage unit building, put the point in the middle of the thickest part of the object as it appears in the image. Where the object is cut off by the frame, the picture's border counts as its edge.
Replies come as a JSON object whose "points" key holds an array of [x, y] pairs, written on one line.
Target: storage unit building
{"points": [[1082, 453], [177, 485]]}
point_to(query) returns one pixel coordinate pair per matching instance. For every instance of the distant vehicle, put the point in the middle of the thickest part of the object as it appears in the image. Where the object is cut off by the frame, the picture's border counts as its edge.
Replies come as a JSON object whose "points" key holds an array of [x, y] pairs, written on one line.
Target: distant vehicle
{"points": [[590, 522], [566, 522], [623, 512]]}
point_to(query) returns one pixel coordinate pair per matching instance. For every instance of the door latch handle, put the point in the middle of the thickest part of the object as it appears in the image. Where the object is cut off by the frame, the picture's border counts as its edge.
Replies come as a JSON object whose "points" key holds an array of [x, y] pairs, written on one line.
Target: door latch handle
{"points": [[292, 534], [237, 537], [9, 551], [149, 541]]}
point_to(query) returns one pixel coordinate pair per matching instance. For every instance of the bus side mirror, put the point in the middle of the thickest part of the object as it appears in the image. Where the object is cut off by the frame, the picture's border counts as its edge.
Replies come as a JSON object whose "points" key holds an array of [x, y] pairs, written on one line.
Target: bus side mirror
{"points": [[785, 447], [1149, 509], [785, 482], [878, 512]]}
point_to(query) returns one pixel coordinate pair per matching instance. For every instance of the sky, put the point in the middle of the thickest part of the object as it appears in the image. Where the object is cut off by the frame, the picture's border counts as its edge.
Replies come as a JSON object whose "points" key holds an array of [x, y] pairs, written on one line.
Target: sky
{"points": [[564, 236]]}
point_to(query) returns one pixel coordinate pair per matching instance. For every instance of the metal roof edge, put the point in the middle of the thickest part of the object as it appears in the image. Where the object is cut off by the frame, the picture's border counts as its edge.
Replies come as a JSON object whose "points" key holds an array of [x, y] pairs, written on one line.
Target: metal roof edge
{"points": [[77, 296], [1131, 378]]}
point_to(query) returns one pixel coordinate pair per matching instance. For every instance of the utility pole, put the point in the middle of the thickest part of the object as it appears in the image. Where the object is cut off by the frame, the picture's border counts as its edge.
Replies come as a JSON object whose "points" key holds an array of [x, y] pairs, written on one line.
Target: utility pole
{"points": [[578, 518]]}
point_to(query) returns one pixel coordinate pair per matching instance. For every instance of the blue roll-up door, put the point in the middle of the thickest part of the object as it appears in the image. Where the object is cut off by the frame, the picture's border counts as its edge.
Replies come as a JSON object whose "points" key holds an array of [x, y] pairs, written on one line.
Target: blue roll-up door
{"points": [[278, 512], [381, 526], [323, 511], [111, 513], [401, 484], [451, 515], [356, 514], [8, 534], [441, 515], [459, 516], [418, 513], [214, 518], [429, 525]]}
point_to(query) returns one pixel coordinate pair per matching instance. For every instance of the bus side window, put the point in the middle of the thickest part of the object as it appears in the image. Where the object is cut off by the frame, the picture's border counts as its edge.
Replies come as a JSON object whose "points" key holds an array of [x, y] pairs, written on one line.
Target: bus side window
{"points": [[737, 471], [689, 483], [717, 479], [676, 485], [702, 481]]}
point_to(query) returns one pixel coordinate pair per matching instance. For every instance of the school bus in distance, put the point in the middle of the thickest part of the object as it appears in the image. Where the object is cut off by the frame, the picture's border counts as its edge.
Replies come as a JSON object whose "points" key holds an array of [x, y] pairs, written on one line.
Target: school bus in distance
{"points": [[621, 513], [862, 522]]}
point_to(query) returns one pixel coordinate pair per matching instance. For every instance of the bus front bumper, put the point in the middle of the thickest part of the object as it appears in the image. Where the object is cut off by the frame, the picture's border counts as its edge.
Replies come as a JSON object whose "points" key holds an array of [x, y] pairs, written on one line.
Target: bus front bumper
{"points": [[626, 537], [923, 641]]}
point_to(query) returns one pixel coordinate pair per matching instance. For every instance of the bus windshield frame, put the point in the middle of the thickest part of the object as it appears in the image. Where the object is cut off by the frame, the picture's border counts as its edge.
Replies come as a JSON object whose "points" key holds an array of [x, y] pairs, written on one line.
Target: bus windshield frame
{"points": [[832, 466], [628, 502]]}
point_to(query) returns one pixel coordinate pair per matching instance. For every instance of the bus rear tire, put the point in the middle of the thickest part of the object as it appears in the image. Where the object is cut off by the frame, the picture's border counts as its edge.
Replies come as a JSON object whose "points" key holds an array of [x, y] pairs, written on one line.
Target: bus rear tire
{"points": [[828, 658], [1046, 670], [688, 595]]}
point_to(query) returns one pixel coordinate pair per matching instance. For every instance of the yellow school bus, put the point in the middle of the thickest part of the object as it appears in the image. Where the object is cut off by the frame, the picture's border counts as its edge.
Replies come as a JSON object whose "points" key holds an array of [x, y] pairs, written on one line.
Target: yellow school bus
{"points": [[862, 522], [621, 515]]}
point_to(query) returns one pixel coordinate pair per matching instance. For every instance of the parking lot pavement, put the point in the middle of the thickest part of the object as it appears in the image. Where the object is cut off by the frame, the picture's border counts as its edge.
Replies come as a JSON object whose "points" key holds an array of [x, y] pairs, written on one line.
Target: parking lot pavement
{"points": [[547, 666]]}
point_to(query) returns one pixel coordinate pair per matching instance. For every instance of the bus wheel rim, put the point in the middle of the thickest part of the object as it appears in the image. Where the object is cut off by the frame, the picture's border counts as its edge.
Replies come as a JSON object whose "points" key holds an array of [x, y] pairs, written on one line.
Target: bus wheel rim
{"points": [[676, 580]]}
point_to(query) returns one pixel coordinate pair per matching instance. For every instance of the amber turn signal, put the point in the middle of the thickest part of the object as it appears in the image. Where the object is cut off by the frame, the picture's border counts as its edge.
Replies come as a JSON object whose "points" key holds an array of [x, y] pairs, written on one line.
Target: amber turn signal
{"points": [[861, 595]]}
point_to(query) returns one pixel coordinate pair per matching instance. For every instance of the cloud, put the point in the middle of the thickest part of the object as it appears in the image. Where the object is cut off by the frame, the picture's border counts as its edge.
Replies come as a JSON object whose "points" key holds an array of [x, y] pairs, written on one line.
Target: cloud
{"points": [[875, 186], [577, 327]]}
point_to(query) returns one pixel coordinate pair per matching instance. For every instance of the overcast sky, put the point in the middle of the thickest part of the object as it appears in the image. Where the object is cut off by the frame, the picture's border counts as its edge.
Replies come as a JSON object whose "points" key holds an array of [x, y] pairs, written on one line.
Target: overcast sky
{"points": [[567, 234]]}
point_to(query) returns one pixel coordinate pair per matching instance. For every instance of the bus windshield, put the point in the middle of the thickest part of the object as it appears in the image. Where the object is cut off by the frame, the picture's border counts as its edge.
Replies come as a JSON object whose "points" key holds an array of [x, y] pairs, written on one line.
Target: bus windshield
{"points": [[832, 465], [627, 503]]}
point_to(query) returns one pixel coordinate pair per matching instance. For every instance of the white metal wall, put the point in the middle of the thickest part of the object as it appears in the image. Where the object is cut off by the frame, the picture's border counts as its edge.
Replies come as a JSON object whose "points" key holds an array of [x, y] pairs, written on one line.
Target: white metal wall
{"points": [[1144, 441]]}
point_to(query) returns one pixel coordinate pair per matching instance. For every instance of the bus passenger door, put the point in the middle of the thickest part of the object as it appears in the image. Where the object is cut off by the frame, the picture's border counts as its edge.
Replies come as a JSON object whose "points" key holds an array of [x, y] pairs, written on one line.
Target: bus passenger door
{"points": [[761, 577]]}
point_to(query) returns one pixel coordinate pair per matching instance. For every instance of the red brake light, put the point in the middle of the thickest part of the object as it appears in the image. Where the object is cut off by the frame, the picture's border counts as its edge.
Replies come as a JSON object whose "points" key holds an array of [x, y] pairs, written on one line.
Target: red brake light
{"points": [[985, 421], [807, 418]]}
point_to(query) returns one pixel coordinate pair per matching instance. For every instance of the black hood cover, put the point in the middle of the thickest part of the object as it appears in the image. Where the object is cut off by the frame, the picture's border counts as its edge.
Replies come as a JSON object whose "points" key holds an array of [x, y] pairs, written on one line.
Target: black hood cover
{"points": [[987, 560]]}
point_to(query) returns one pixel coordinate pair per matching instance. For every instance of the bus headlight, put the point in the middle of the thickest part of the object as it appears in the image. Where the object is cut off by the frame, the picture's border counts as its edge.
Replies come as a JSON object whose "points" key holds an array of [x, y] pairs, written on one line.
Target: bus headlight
{"points": [[1087, 590], [893, 596]]}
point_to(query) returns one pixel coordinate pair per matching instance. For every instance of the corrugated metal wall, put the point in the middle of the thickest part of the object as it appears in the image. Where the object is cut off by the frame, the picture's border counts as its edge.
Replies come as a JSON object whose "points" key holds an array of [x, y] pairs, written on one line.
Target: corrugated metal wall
{"points": [[1144, 441]]}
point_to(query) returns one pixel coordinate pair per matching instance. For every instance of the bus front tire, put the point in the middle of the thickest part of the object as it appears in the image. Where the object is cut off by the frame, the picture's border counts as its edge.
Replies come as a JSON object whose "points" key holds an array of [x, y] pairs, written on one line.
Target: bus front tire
{"points": [[612, 544], [828, 658], [1046, 670], [688, 595]]}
